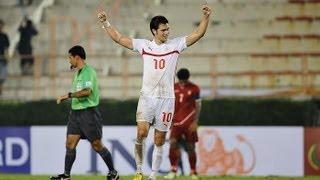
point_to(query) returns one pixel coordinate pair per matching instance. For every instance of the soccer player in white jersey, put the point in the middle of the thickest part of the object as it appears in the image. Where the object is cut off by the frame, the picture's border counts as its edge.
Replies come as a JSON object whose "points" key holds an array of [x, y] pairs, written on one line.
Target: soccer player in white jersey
{"points": [[156, 102]]}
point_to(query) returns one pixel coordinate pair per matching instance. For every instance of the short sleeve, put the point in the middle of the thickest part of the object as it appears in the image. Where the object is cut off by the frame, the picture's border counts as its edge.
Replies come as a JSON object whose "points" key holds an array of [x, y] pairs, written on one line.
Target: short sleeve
{"points": [[138, 45], [181, 43], [196, 92], [87, 80]]}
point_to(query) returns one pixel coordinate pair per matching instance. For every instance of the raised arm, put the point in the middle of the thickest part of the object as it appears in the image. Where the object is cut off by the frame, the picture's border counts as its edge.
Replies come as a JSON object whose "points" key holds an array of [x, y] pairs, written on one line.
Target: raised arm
{"points": [[202, 27], [113, 33]]}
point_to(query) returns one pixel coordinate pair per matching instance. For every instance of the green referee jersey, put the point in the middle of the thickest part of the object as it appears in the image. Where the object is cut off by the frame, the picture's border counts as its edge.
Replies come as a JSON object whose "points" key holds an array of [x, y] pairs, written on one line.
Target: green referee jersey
{"points": [[85, 78]]}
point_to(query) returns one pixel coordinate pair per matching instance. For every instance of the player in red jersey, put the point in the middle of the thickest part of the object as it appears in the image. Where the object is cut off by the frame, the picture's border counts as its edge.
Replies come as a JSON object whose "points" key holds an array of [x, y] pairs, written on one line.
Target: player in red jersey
{"points": [[185, 122]]}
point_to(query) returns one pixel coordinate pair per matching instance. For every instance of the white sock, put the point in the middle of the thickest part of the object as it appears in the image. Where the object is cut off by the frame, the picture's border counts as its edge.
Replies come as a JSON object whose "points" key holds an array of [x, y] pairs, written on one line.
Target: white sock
{"points": [[138, 152], [156, 159]]}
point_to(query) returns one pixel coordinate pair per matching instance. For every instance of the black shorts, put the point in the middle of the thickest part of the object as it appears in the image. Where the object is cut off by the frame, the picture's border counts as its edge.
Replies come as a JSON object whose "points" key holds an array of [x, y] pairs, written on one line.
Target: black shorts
{"points": [[85, 122]]}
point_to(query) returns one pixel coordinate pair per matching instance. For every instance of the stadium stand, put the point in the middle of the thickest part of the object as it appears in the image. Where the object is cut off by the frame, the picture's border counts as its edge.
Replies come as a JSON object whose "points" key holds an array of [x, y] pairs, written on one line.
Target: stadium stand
{"points": [[251, 46]]}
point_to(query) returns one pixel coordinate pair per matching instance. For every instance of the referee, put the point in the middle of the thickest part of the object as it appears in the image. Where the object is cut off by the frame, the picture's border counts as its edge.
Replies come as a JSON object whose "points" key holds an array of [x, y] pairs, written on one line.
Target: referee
{"points": [[85, 121]]}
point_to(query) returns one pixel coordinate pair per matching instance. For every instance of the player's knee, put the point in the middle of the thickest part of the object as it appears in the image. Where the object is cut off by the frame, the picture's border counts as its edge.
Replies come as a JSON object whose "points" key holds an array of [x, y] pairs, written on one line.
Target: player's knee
{"points": [[190, 148], [159, 142], [70, 145], [159, 138], [97, 145], [142, 134], [173, 143]]}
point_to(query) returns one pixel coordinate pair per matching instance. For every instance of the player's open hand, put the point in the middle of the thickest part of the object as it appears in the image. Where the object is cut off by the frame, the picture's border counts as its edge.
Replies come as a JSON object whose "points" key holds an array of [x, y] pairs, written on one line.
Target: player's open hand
{"points": [[102, 16], [206, 10], [59, 99]]}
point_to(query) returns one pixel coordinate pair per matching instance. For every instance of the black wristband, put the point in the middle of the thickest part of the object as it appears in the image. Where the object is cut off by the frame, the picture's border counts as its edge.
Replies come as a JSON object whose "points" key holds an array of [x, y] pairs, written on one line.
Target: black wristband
{"points": [[69, 94]]}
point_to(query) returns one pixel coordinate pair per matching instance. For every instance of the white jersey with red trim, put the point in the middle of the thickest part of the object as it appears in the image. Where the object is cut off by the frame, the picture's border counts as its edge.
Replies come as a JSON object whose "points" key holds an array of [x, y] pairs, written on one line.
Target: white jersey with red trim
{"points": [[159, 65]]}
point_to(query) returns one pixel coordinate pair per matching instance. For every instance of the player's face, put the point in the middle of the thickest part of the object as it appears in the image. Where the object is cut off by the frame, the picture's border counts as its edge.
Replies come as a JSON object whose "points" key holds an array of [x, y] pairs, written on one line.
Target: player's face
{"points": [[162, 32], [72, 61]]}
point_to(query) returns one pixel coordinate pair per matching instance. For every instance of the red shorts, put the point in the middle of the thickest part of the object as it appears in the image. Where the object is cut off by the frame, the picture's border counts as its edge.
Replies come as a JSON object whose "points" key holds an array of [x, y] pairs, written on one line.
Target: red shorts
{"points": [[184, 133]]}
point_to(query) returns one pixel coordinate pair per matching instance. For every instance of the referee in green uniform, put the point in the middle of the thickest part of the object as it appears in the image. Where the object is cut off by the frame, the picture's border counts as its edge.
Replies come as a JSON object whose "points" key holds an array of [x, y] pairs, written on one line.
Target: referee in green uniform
{"points": [[85, 121]]}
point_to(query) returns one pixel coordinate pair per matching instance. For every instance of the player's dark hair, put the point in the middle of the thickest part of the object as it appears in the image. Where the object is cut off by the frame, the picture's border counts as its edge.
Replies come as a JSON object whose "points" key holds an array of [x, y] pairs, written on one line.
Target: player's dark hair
{"points": [[183, 74], [77, 50], [1, 22], [156, 21]]}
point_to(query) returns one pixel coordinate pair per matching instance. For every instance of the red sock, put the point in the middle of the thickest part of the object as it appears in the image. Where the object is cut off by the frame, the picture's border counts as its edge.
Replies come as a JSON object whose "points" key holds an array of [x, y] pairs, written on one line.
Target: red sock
{"points": [[192, 161], [174, 155]]}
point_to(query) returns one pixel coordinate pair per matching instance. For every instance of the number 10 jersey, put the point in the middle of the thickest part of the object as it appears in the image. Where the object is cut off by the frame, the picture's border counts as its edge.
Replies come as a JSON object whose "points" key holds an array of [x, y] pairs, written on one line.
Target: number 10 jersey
{"points": [[159, 65]]}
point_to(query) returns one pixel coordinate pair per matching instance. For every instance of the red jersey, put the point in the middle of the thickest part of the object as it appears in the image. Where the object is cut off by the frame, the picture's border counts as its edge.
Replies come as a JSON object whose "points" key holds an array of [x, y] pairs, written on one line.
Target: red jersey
{"points": [[185, 104]]}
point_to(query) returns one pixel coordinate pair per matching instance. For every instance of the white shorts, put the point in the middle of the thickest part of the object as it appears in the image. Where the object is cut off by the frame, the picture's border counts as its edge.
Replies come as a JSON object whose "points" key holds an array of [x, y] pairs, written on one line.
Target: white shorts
{"points": [[156, 111]]}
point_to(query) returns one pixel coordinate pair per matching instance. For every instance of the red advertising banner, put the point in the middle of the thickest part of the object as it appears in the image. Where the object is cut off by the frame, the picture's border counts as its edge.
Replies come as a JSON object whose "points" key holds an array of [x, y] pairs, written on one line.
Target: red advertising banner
{"points": [[312, 151]]}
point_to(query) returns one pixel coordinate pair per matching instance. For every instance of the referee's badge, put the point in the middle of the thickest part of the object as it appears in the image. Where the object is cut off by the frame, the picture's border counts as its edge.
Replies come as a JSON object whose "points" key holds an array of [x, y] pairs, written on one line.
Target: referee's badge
{"points": [[88, 84]]}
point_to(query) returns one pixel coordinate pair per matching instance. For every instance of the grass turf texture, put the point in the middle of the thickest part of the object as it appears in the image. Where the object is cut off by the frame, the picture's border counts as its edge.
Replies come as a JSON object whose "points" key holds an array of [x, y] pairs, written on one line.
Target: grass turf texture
{"points": [[100, 177]]}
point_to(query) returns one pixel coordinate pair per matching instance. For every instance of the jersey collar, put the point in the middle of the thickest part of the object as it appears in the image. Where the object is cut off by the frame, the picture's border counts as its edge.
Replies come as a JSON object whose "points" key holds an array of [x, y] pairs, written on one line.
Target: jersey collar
{"points": [[154, 43], [82, 69]]}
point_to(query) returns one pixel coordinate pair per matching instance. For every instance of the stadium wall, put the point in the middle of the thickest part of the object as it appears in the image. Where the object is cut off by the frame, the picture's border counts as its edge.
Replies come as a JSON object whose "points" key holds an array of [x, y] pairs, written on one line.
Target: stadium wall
{"points": [[248, 151]]}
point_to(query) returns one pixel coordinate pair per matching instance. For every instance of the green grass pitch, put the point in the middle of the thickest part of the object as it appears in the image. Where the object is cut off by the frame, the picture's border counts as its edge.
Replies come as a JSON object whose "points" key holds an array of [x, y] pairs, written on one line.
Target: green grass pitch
{"points": [[100, 177]]}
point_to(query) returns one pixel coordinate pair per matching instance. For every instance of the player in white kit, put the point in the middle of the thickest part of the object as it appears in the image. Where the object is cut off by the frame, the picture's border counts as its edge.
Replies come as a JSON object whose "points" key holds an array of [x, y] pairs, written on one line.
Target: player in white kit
{"points": [[156, 102]]}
